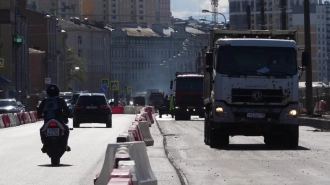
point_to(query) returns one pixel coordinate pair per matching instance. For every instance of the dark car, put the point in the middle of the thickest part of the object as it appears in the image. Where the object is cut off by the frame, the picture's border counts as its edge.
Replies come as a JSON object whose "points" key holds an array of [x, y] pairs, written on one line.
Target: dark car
{"points": [[92, 108], [9, 106]]}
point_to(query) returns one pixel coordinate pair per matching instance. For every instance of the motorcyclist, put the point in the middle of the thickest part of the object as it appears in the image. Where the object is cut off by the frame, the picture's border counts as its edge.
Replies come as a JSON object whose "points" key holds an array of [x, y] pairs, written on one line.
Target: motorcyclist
{"points": [[53, 107]]}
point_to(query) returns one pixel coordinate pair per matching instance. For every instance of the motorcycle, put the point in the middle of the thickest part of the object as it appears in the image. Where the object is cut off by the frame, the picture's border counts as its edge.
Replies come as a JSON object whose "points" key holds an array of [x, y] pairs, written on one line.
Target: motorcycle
{"points": [[55, 142]]}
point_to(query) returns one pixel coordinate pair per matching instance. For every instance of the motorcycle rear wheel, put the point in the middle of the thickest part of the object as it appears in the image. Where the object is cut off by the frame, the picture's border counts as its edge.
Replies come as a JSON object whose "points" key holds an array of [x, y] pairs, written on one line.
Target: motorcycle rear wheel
{"points": [[55, 161]]}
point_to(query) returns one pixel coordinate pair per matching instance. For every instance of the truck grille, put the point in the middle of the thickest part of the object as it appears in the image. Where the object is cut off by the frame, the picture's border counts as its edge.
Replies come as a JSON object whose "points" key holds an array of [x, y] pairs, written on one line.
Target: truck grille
{"points": [[257, 95]]}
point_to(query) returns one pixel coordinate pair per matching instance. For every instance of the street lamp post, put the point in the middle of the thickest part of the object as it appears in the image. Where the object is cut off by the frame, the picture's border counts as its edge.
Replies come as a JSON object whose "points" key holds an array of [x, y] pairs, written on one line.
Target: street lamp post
{"points": [[208, 11]]}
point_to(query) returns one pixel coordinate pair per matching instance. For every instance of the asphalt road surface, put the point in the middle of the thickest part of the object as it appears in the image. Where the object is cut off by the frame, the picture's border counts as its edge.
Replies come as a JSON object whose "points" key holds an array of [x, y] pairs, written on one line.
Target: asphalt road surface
{"points": [[23, 163], [247, 160]]}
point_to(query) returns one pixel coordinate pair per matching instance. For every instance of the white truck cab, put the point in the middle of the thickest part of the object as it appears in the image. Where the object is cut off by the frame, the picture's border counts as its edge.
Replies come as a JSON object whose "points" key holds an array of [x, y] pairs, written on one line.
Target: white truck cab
{"points": [[251, 87]]}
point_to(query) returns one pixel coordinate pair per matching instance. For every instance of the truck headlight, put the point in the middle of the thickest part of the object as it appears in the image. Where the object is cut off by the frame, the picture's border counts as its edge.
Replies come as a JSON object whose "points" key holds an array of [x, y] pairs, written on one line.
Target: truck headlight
{"points": [[204, 108], [293, 112], [219, 111], [177, 107]]}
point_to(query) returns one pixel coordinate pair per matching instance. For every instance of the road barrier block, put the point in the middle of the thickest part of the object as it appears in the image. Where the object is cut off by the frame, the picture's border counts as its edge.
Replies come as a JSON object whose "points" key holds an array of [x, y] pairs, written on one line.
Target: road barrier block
{"points": [[2, 125], [145, 132], [135, 131], [142, 172], [129, 110], [6, 120], [117, 110]]}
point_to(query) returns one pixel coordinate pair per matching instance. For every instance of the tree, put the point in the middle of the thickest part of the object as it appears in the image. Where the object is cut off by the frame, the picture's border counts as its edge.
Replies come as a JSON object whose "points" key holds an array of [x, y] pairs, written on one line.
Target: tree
{"points": [[72, 62]]}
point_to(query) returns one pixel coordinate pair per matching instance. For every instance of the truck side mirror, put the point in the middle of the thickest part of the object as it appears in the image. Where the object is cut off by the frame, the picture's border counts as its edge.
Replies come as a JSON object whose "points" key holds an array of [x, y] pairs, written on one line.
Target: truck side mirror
{"points": [[209, 59], [171, 85], [304, 59]]}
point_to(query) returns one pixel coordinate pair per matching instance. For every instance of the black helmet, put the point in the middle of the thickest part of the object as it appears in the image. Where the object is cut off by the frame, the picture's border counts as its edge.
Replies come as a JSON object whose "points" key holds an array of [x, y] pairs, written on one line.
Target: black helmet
{"points": [[53, 90]]}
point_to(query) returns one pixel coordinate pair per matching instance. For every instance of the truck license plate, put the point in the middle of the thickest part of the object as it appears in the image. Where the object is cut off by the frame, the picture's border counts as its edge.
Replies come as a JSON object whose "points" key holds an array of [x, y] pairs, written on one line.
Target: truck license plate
{"points": [[256, 115], [91, 107], [53, 131]]}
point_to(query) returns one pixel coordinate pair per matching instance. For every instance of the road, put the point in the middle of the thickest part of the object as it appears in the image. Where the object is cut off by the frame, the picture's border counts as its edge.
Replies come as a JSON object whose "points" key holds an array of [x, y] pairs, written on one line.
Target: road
{"points": [[23, 163], [247, 160]]}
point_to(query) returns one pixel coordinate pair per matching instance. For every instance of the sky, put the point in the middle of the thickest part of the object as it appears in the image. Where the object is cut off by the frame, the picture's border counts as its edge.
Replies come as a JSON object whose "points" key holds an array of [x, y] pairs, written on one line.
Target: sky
{"points": [[185, 8]]}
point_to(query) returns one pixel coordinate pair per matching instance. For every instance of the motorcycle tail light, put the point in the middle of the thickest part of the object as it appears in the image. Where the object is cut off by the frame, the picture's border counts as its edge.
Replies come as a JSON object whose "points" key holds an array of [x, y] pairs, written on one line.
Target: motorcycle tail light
{"points": [[52, 124]]}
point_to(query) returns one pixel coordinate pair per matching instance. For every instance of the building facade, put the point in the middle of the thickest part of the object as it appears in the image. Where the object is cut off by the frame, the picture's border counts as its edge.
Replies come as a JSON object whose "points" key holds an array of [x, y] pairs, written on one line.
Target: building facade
{"points": [[238, 17], [93, 45], [13, 52], [146, 58], [42, 36]]}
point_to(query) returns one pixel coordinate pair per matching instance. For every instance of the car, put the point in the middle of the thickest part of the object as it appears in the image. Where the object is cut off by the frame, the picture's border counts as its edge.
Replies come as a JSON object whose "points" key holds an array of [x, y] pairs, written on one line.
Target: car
{"points": [[21, 107], [9, 106], [92, 108]]}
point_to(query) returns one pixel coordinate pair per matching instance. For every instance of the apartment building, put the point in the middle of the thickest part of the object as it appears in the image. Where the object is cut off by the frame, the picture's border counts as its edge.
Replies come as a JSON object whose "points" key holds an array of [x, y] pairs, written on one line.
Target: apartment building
{"points": [[238, 18], [93, 45], [60, 8], [14, 30]]}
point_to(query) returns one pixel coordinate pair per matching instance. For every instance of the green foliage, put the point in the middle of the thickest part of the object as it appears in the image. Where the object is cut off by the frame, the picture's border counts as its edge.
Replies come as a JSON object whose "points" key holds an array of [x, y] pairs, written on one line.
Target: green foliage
{"points": [[73, 61]]}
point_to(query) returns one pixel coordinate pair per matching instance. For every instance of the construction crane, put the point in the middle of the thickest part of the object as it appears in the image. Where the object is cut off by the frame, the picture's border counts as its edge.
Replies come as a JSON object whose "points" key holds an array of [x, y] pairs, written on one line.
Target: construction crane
{"points": [[214, 4]]}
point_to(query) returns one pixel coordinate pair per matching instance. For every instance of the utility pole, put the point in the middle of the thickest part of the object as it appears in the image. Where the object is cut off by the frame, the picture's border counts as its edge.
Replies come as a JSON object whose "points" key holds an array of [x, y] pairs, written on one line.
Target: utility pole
{"points": [[307, 30], [283, 14], [248, 16], [262, 15]]}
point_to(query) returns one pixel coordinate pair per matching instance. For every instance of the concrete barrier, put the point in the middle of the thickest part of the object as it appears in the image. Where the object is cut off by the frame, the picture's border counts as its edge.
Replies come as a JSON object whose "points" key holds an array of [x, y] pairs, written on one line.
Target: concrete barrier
{"points": [[145, 132], [138, 153], [321, 123], [129, 110], [2, 125]]}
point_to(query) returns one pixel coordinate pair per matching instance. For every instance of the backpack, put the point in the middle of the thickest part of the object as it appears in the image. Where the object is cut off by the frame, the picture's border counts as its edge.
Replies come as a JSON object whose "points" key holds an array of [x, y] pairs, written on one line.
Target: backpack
{"points": [[50, 106]]}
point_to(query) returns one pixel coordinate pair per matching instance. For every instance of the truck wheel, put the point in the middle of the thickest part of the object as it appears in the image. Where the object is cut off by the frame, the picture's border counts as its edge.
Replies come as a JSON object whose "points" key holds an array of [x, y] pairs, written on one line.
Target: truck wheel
{"points": [[271, 140], [218, 138], [292, 137], [178, 117]]}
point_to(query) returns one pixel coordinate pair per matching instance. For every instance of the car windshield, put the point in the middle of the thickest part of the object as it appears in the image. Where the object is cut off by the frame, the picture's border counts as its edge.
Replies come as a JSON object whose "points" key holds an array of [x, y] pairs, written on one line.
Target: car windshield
{"points": [[247, 60], [187, 83], [7, 103], [92, 100]]}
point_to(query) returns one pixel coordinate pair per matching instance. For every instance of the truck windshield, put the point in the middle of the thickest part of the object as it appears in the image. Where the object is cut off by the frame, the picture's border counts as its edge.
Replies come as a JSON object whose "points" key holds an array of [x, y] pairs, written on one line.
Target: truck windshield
{"points": [[187, 83], [247, 60]]}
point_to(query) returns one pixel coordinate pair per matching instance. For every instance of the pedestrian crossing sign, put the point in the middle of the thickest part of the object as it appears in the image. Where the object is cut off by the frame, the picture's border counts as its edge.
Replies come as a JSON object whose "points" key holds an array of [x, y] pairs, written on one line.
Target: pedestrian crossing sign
{"points": [[129, 88], [114, 85]]}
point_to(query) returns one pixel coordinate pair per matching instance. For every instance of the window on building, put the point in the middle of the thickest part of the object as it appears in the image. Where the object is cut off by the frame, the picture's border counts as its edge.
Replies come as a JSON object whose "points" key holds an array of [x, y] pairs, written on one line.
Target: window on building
{"points": [[141, 18], [79, 53], [113, 11], [113, 17], [141, 6], [114, 5], [79, 40], [141, 11]]}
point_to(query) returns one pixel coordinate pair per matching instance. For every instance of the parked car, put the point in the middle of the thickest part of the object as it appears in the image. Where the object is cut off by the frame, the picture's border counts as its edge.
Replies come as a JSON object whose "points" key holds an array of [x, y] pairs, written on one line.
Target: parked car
{"points": [[92, 108], [21, 107], [9, 106]]}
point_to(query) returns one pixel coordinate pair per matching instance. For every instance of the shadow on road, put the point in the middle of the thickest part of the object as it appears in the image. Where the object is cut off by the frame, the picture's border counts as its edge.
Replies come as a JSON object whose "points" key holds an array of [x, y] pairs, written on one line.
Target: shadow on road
{"points": [[60, 165], [259, 147]]}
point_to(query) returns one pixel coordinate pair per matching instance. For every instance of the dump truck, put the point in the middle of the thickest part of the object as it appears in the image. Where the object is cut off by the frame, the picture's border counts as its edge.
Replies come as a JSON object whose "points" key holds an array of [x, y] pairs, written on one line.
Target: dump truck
{"points": [[251, 86], [188, 95]]}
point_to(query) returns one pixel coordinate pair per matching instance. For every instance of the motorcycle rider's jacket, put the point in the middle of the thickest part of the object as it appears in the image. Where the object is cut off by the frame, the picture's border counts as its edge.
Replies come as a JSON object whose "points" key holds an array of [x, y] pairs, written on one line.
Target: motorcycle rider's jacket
{"points": [[53, 108]]}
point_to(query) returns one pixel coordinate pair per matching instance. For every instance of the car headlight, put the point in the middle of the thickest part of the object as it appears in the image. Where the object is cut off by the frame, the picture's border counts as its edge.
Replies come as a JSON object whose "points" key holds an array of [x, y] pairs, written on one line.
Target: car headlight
{"points": [[219, 111], [177, 107]]}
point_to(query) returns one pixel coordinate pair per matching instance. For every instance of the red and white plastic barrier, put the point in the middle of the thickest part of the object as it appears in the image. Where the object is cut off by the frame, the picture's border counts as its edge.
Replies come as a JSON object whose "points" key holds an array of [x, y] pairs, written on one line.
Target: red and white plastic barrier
{"points": [[17, 119]]}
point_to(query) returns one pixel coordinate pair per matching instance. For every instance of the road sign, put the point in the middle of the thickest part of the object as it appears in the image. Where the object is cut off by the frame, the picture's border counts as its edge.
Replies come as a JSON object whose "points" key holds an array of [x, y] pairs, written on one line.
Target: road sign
{"points": [[103, 89], [105, 82], [129, 88], [114, 85], [48, 81], [2, 62]]}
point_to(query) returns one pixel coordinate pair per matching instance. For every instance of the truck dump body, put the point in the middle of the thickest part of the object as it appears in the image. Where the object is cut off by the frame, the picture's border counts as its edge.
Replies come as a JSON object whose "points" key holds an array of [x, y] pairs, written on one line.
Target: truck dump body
{"points": [[251, 86]]}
